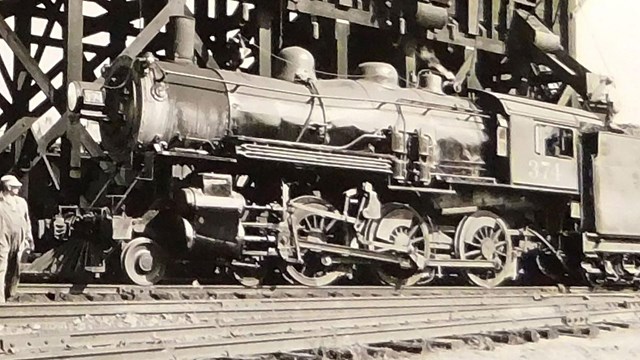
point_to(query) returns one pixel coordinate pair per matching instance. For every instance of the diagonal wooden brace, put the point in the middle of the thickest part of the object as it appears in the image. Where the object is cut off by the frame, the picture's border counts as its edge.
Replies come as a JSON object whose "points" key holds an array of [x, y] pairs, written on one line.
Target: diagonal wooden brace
{"points": [[18, 129], [173, 7], [22, 53]]}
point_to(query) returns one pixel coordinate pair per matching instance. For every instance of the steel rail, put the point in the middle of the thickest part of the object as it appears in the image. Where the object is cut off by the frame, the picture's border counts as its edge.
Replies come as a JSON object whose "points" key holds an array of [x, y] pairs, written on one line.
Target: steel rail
{"points": [[231, 316], [108, 307], [311, 323], [310, 335], [64, 292], [44, 287], [235, 309]]}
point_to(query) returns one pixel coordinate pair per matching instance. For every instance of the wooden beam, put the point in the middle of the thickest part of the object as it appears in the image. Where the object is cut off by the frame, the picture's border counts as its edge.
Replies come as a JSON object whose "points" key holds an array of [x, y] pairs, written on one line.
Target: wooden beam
{"points": [[173, 7], [87, 141], [572, 47], [42, 42], [342, 31], [73, 152], [23, 73], [473, 17], [18, 129], [4, 74], [565, 96], [73, 40], [471, 58], [58, 129], [467, 72], [5, 105], [480, 43], [556, 20], [47, 30], [495, 18], [329, 10], [74, 62], [3, 118], [31, 91], [98, 24], [27, 61], [265, 41]]}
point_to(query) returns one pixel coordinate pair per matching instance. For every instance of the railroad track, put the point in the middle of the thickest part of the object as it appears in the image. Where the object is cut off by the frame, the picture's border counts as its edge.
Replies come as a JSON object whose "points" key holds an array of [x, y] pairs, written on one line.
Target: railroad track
{"points": [[243, 327], [62, 292], [221, 309]]}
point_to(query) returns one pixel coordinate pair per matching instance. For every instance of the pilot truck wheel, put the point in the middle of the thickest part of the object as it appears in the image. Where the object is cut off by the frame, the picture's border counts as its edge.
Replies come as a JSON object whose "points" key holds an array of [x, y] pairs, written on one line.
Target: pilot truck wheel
{"points": [[143, 261]]}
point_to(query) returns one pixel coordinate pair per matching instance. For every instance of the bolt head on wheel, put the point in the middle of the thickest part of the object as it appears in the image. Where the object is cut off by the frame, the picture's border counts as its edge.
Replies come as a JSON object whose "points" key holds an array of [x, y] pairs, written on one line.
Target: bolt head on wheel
{"points": [[145, 261]]}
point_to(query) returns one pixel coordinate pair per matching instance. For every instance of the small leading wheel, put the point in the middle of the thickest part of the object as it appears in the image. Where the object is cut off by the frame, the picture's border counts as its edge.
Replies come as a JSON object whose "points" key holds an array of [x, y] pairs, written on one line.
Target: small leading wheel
{"points": [[317, 269], [484, 236], [143, 261], [400, 228]]}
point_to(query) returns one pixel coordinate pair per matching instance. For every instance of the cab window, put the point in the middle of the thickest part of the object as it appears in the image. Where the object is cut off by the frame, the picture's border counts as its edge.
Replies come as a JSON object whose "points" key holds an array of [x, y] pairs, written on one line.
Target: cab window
{"points": [[554, 141]]}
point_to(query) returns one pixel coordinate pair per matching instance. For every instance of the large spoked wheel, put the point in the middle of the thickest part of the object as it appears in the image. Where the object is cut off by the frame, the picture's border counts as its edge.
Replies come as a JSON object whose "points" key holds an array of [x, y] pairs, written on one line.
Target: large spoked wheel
{"points": [[400, 228], [484, 236], [317, 269], [143, 262]]}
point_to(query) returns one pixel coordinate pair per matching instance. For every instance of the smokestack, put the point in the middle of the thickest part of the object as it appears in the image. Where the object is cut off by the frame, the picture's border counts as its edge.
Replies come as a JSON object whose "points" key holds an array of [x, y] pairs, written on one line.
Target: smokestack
{"points": [[183, 31]]}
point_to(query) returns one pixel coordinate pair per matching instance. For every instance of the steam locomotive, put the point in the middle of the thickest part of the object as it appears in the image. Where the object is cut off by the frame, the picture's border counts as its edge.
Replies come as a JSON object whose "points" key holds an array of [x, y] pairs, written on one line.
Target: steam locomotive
{"points": [[320, 179]]}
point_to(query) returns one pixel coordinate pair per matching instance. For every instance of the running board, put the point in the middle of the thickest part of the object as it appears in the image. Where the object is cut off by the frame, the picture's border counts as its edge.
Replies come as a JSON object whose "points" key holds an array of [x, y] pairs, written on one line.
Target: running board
{"points": [[600, 244], [388, 258]]}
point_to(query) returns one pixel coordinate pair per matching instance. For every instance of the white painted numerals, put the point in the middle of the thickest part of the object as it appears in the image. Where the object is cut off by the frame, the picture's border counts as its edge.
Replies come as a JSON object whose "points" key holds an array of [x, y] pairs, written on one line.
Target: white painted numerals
{"points": [[544, 170]]}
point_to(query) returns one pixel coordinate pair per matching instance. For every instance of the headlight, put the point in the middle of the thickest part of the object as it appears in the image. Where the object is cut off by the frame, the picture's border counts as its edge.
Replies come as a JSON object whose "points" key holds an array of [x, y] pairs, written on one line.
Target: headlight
{"points": [[82, 95], [74, 92]]}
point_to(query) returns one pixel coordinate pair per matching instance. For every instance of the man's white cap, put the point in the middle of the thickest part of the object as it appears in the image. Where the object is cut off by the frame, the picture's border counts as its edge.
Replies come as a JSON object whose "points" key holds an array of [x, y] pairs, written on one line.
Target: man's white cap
{"points": [[10, 180]]}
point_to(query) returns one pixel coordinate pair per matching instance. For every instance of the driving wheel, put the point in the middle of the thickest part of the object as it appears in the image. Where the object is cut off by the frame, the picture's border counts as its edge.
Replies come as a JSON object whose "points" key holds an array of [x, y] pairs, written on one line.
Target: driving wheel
{"points": [[400, 230], [316, 269], [484, 236]]}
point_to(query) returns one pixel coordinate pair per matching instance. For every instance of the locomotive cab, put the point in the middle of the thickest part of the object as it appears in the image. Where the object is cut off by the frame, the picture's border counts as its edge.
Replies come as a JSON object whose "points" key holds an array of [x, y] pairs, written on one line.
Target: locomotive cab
{"points": [[537, 144]]}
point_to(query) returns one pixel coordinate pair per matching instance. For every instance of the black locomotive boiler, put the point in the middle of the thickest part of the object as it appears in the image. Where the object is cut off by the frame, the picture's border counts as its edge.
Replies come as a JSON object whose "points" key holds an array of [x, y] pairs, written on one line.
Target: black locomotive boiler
{"points": [[323, 178]]}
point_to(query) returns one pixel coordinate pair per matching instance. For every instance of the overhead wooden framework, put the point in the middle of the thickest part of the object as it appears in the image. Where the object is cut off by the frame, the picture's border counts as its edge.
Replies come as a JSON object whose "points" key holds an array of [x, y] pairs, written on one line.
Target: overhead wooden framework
{"points": [[467, 38]]}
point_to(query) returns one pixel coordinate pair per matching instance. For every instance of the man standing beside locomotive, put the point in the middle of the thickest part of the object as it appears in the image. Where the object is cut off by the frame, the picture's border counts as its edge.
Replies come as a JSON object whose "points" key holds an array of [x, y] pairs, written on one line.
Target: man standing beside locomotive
{"points": [[15, 234]]}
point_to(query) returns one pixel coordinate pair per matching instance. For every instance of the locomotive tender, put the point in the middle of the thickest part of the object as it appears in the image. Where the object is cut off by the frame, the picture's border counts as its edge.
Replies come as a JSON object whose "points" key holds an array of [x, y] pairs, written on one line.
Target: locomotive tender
{"points": [[322, 178]]}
